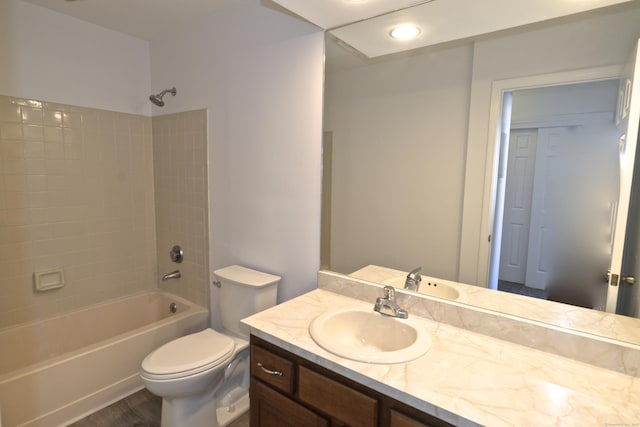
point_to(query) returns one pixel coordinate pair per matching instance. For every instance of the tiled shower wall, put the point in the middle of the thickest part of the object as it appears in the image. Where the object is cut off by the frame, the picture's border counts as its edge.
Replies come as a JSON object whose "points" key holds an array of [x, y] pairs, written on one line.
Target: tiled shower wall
{"points": [[76, 195], [180, 163]]}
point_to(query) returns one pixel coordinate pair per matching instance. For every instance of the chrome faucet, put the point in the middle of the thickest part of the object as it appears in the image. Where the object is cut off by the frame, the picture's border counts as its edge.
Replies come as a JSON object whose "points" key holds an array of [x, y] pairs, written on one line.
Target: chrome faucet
{"points": [[413, 280], [173, 275], [387, 305]]}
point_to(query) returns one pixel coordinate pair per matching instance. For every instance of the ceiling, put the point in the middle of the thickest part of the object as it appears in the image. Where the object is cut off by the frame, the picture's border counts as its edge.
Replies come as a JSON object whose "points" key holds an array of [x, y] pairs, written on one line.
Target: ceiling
{"points": [[329, 14], [440, 20], [144, 19]]}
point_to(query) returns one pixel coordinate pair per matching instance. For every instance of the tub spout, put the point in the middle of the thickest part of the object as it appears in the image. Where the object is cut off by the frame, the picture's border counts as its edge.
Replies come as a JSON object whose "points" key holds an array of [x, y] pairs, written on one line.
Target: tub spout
{"points": [[173, 275]]}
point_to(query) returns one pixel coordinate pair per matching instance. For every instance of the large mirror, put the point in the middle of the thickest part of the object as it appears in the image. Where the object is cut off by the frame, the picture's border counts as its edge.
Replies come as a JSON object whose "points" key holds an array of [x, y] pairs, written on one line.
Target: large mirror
{"points": [[408, 153]]}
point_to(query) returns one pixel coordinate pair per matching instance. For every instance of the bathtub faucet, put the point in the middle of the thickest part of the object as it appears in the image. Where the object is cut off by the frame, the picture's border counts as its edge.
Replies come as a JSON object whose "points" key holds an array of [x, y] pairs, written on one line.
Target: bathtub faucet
{"points": [[173, 275]]}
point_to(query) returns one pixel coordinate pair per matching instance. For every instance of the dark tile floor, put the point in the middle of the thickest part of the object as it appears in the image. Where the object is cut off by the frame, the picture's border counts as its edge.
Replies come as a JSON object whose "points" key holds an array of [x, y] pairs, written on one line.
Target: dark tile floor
{"points": [[141, 409], [518, 288]]}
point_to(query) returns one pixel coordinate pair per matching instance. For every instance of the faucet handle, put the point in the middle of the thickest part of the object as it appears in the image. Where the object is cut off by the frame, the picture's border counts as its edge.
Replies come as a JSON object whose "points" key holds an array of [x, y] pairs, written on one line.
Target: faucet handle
{"points": [[387, 305]]}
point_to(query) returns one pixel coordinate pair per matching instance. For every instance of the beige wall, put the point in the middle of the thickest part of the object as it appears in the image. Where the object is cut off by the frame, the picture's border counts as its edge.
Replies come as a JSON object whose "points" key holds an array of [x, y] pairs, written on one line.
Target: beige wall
{"points": [[180, 171], [76, 194], [66, 60], [399, 133]]}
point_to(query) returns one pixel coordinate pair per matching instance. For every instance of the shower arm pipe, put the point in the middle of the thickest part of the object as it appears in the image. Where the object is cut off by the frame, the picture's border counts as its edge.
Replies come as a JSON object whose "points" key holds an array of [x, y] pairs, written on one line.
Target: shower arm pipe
{"points": [[172, 91]]}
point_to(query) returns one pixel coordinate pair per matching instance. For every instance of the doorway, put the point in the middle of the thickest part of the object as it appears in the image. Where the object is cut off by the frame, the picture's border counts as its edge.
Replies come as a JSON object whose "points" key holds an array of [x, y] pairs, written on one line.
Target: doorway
{"points": [[553, 222]]}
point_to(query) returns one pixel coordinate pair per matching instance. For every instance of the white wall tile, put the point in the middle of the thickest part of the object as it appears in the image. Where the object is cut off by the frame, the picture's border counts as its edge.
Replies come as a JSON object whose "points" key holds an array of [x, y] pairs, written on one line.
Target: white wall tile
{"points": [[181, 204], [64, 203]]}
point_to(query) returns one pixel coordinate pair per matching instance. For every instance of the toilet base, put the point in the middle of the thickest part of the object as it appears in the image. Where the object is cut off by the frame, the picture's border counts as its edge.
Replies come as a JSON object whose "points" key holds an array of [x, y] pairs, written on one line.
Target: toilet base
{"points": [[189, 412], [228, 414], [201, 411]]}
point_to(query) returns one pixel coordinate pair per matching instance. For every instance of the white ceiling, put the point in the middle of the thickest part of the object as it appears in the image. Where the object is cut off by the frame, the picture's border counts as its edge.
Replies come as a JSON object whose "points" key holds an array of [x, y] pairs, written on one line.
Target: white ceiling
{"points": [[144, 19], [329, 14], [440, 20], [448, 20]]}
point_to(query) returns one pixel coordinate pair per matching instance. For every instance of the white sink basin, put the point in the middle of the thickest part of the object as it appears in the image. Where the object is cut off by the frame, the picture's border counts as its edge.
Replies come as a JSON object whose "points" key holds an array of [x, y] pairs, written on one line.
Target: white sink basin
{"points": [[368, 336], [427, 287]]}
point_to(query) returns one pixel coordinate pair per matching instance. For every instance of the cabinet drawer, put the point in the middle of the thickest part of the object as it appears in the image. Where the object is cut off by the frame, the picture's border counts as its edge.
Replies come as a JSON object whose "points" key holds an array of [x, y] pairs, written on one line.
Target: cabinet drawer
{"points": [[272, 369], [343, 403]]}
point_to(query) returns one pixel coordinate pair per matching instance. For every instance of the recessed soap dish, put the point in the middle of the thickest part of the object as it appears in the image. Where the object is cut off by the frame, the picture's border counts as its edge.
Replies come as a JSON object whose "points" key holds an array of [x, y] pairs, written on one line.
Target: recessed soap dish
{"points": [[48, 280]]}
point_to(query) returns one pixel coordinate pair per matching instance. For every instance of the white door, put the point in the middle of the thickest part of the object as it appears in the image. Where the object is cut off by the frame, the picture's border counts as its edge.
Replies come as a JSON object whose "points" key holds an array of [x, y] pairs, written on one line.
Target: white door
{"points": [[575, 185], [517, 205], [629, 118], [546, 176]]}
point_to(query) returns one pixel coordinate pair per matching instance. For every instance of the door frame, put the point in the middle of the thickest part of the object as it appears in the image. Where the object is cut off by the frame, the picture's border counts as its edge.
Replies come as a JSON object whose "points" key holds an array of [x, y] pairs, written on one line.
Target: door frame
{"points": [[490, 193]]}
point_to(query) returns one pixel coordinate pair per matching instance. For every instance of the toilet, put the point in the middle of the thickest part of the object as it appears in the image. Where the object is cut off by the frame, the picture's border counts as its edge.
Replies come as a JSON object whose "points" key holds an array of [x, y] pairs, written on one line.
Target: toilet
{"points": [[203, 378]]}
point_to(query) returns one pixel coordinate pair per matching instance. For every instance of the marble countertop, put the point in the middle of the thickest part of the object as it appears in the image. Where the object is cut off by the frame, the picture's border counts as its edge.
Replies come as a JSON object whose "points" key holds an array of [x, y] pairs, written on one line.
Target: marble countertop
{"points": [[466, 378], [590, 321]]}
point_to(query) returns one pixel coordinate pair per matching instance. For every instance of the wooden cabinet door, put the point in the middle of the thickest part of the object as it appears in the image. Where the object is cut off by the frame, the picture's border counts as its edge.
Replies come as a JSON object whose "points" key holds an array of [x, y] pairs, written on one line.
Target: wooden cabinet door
{"points": [[337, 400], [271, 409], [400, 420]]}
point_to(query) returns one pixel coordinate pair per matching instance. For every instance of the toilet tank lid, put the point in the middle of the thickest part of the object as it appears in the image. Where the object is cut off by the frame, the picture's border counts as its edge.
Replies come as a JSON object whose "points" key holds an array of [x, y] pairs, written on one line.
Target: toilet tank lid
{"points": [[246, 276]]}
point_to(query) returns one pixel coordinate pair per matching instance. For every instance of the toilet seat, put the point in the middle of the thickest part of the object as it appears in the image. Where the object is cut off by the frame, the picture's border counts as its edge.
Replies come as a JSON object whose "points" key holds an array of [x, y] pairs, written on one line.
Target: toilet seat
{"points": [[188, 355]]}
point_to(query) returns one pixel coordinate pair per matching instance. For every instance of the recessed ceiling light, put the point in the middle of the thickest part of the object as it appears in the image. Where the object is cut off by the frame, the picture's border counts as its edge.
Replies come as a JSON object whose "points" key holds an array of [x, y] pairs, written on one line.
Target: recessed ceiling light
{"points": [[405, 32]]}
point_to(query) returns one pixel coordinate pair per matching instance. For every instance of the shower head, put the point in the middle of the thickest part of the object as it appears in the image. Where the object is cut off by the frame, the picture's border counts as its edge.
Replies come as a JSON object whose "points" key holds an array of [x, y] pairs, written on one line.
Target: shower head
{"points": [[157, 99]]}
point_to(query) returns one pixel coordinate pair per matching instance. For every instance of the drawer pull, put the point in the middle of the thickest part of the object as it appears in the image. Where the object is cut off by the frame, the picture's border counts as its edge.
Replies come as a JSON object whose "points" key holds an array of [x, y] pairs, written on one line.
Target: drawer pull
{"points": [[269, 371]]}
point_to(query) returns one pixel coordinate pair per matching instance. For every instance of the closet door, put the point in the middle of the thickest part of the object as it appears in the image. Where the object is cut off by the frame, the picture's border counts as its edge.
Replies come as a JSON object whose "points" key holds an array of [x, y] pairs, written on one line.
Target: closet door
{"points": [[517, 205]]}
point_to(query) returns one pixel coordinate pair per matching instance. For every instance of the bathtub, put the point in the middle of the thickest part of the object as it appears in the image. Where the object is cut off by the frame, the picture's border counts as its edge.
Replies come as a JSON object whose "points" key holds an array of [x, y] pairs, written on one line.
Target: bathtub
{"points": [[57, 370]]}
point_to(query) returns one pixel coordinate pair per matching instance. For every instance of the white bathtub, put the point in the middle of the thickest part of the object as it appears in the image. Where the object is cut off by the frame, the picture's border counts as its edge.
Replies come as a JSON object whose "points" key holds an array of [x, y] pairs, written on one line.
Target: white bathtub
{"points": [[60, 369]]}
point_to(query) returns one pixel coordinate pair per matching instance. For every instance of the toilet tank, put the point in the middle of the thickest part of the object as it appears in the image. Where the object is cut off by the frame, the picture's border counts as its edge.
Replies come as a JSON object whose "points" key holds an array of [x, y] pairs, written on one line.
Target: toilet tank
{"points": [[244, 292]]}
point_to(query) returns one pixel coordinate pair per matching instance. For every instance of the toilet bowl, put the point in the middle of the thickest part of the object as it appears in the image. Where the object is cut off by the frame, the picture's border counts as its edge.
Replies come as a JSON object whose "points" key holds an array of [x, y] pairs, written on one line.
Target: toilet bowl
{"points": [[203, 378]]}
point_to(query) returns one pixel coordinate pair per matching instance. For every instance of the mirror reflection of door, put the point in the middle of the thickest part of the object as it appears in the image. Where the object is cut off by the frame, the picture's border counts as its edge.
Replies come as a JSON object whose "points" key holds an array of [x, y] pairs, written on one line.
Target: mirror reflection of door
{"points": [[622, 295], [628, 300], [561, 191]]}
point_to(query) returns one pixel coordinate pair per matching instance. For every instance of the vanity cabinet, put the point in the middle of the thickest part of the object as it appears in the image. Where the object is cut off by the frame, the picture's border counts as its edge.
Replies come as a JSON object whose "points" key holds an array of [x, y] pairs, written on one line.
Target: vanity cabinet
{"points": [[287, 390]]}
